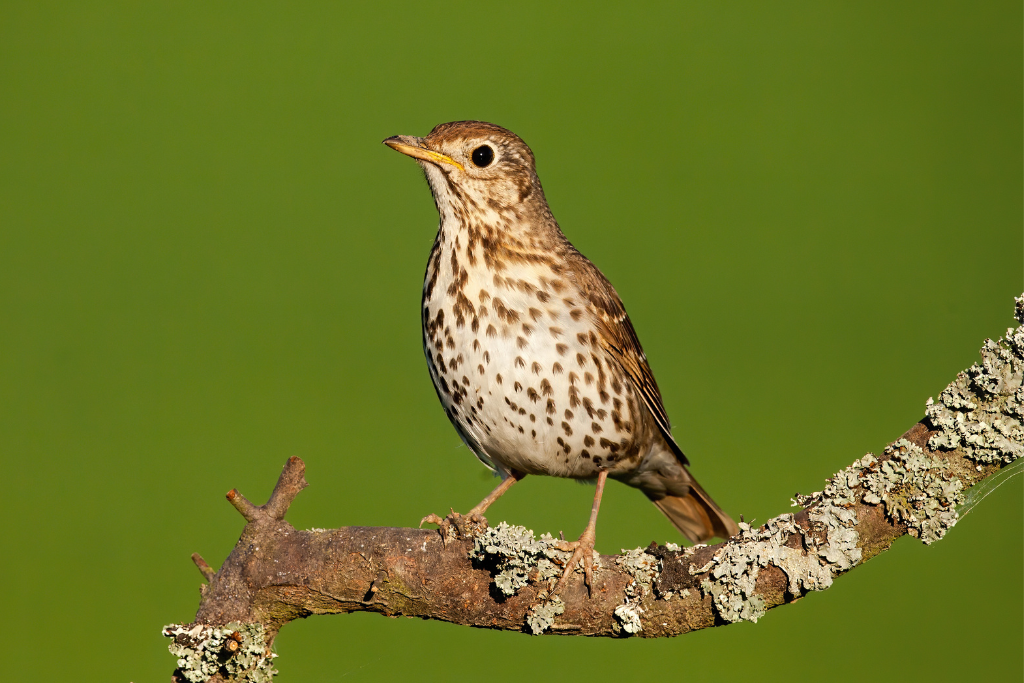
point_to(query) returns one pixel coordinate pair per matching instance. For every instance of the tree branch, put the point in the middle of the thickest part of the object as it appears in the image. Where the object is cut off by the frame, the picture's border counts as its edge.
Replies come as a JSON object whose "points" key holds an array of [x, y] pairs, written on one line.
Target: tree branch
{"points": [[502, 577]]}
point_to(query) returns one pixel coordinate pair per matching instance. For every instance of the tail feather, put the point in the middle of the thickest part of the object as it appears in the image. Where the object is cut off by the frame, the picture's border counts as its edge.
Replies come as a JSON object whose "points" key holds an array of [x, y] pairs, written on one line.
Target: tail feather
{"points": [[696, 515]]}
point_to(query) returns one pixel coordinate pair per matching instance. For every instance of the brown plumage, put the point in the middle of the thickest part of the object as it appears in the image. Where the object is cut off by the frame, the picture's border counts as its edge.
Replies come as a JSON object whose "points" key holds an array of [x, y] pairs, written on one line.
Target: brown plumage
{"points": [[529, 346]]}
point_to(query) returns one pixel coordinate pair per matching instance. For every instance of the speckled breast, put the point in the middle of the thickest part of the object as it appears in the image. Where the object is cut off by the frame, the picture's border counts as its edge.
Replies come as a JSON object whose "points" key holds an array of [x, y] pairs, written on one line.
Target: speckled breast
{"points": [[517, 366]]}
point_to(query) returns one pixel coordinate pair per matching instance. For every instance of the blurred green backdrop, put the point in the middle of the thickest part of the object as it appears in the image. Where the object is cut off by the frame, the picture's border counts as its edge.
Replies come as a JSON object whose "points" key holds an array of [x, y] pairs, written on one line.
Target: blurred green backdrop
{"points": [[209, 263]]}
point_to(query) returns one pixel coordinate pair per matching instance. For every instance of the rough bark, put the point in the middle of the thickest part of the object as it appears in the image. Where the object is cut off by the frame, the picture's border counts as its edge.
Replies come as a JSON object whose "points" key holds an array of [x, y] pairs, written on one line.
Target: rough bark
{"points": [[276, 573]]}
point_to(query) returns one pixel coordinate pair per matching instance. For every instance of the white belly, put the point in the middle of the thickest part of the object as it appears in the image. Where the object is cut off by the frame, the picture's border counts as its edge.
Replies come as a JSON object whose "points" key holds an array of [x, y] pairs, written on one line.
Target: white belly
{"points": [[522, 379]]}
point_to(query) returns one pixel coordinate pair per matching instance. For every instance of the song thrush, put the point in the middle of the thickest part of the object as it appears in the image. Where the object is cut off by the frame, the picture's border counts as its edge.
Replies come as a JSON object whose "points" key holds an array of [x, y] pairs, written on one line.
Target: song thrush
{"points": [[529, 346]]}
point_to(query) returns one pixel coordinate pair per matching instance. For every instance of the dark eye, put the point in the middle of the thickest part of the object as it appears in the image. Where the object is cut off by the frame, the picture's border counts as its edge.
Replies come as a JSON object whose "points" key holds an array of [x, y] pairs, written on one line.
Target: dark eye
{"points": [[483, 156]]}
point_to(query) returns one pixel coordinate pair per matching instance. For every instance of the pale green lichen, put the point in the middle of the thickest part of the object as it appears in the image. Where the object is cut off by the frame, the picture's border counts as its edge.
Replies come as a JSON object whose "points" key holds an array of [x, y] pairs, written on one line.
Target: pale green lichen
{"points": [[732, 571], [643, 568], [201, 652], [518, 556], [541, 617], [917, 490], [982, 411]]}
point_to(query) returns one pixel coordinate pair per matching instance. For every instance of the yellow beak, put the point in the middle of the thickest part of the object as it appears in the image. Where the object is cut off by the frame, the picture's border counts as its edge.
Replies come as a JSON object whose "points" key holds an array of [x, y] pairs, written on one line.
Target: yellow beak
{"points": [[412, 146]]}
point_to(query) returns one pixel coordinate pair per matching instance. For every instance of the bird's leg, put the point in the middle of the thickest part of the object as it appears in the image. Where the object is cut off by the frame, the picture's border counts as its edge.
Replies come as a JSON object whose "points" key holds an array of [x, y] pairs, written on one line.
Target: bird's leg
{"points": [[583, 549], [476, 515]]}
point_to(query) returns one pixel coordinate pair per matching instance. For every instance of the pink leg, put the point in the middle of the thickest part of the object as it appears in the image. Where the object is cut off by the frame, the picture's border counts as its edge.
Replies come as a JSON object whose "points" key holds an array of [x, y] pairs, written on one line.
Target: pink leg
{"points": [[475, 515], [583, 549], [494, 495]]}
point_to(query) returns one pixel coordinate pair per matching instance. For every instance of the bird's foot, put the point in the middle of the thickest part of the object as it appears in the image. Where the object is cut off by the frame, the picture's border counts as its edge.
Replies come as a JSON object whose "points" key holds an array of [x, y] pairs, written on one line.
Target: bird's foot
{"points": [[582, 554], [456, 525]]}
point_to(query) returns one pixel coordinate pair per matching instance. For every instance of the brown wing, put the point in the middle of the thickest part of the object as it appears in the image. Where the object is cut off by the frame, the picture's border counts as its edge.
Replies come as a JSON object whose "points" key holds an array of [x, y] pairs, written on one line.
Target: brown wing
{"points": [[618, 338]]}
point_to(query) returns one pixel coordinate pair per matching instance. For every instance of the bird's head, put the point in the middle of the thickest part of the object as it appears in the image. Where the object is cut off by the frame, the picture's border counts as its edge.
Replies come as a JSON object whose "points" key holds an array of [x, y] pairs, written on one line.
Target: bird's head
{"points": [[476, 168]]}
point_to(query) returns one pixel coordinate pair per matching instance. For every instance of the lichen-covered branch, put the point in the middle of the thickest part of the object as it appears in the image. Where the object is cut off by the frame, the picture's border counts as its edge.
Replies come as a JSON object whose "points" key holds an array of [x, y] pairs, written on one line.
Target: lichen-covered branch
{"points": [[502, 577]]}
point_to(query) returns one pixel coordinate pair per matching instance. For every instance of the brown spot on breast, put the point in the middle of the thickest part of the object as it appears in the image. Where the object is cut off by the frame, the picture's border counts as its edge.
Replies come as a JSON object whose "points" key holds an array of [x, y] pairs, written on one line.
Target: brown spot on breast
{"points": [[543, 296], [536, 368], [576, 314], [465, 380], [517, 386], [585, 454], [519, 362], [521, 343], [497, 378], [604, 396], [527, 329], [561, 349], [582, 338], [491, 332], [475, 325], [573, 378], [487, 357], [596, 428], [566, 428], [588, 378], [533, 394], [581, 359], [545, 386], [568, 414], [556, 369], [499, 307], [536, 314], [483, 296], [616, 386], [480, 369], [588, 405], [574, 397], [550, 421], [556, 332], [588, 441], [550, 408]]}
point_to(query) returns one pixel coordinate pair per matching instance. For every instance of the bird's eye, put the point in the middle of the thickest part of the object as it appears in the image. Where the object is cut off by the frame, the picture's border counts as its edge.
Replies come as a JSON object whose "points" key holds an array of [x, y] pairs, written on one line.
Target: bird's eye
{"points": [[483, 156]]}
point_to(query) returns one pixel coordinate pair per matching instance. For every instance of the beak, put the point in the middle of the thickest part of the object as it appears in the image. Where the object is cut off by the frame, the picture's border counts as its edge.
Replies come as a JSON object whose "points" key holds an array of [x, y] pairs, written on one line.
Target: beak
{"points": [[413, 147]]}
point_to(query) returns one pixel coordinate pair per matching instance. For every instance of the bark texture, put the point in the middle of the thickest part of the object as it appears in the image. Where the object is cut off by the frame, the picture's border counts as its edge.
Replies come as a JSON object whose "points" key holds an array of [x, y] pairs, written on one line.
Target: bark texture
{"points": [[277, 573]]}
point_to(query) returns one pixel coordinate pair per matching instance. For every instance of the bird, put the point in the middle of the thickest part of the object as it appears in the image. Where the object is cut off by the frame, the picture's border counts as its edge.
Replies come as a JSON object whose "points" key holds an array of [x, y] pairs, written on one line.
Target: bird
{"points": [[529, 346]]}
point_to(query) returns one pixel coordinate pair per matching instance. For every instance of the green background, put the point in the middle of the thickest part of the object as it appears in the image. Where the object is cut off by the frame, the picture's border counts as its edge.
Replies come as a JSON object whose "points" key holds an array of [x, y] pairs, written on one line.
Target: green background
{"points": [[209, 263]]}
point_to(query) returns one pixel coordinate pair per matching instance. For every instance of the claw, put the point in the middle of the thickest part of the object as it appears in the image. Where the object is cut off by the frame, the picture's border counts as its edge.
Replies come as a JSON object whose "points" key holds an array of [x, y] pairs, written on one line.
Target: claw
{"points": [[464, 525], [431, 519], [444, 525], [583, 553]]}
